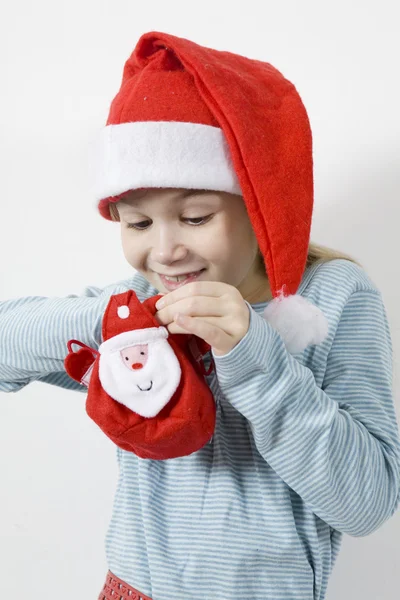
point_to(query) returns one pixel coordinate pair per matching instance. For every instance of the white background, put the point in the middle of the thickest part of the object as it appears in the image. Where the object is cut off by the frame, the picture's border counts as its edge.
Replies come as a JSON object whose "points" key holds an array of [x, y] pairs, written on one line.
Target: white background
{"points": [[61, 65]]}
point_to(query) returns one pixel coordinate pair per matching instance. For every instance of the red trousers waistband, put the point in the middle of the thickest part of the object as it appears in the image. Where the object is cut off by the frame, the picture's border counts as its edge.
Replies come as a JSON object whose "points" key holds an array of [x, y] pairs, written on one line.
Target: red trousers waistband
{"points": [[116, 589]]}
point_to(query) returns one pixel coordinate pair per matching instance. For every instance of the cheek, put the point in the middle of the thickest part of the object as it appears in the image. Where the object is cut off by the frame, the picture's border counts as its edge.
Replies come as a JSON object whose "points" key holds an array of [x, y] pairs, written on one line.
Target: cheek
{"points": [[213, 247], [229, 240], [130, 248], [215, 241]]}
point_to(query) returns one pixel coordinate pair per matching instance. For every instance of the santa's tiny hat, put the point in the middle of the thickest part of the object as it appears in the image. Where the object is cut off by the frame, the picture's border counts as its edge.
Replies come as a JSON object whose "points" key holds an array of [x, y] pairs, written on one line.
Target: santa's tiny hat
{"points": [[188, 116]]}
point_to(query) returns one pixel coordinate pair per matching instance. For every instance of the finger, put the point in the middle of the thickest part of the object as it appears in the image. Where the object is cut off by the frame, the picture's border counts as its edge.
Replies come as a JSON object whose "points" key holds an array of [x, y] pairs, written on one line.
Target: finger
{"points": [[226, 324], [209, 332], [195, 306], [197, 288], [175, 328], [199, 326]]}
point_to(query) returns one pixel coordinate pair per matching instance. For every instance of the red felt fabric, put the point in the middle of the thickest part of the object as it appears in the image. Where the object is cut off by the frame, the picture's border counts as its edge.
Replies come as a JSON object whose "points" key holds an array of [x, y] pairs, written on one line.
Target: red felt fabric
{"points": [[265, 124], [187, 421]]}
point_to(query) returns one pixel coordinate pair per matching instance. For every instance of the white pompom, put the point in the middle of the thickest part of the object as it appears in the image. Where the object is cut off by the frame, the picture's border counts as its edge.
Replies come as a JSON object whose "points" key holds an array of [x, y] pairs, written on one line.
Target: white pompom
{"points": [[299, 322]]}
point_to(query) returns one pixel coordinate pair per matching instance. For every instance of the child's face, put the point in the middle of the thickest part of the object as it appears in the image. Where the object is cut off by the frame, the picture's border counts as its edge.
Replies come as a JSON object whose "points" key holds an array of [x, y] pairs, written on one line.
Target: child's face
{"points": [[171, 242]]}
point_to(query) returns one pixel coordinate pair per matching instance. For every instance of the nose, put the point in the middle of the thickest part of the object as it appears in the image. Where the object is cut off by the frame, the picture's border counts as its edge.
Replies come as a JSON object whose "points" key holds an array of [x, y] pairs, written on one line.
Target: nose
{"points": [[137, 366], [167, 248]]}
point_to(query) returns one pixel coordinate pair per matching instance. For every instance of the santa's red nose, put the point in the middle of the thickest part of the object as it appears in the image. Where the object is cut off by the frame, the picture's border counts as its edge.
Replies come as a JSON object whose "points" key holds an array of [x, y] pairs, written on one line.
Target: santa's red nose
{"points": [[137, 366]]}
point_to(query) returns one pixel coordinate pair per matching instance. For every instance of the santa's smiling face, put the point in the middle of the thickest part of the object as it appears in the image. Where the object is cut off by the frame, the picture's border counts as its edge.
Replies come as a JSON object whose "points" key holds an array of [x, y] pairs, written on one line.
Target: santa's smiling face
{"points": [[143, 377], [135, 357]]}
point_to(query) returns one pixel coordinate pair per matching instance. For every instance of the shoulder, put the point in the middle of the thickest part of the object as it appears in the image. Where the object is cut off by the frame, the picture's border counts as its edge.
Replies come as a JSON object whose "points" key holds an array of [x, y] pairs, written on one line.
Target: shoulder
{"points": [[335, 285], [342, 274], [330, 284]]}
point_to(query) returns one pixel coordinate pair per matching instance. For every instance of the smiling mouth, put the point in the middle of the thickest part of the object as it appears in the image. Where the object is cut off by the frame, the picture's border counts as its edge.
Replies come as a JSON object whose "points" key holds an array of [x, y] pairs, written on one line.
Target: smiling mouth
{"points": [[145, 390]]}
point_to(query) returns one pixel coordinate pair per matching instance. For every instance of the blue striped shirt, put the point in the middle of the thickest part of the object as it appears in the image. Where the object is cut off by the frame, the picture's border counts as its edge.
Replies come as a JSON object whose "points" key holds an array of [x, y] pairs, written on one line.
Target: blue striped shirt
{"points": [[306, 446]]}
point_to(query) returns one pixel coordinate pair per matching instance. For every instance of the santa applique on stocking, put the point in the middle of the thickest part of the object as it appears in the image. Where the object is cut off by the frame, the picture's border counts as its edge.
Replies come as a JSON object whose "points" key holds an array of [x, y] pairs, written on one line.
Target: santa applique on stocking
{"points": [[146, 387]]}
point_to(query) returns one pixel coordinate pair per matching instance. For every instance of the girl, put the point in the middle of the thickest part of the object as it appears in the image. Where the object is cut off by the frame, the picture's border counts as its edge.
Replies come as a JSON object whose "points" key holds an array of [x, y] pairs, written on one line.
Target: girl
{"points": [[206, 162]]}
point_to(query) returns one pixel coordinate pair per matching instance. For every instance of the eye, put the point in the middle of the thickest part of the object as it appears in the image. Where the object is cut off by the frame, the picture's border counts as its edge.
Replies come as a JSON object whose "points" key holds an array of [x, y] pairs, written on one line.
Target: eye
{"points": [[202, 220]]}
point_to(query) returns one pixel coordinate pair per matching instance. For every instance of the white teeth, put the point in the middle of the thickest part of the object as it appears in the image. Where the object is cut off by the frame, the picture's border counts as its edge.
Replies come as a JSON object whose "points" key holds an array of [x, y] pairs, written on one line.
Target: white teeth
{"points": [[180, 277]]}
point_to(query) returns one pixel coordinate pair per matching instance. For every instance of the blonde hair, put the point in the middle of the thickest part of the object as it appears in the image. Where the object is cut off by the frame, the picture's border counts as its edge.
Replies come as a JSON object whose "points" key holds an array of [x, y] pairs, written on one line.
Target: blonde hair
{"points": [[316, 252]]}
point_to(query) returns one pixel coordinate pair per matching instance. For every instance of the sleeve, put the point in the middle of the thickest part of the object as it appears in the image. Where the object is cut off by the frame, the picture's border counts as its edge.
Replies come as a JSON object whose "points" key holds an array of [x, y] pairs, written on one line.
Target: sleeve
{"points": [[336, 445], [34, 332]]}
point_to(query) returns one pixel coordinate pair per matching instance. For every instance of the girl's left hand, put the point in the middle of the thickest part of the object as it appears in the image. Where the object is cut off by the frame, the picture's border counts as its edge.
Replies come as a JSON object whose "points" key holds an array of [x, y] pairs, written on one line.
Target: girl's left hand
{"points": [[212, 310]]}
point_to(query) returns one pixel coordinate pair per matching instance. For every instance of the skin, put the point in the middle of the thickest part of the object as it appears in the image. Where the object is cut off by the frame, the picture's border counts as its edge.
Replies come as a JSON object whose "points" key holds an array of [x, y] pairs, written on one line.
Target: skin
{"points": [[225, 244], [212, 307]]}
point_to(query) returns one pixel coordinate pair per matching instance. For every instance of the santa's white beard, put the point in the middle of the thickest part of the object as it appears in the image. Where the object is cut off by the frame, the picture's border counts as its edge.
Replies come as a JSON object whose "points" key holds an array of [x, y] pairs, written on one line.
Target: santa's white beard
{"points": [[147, 390]]}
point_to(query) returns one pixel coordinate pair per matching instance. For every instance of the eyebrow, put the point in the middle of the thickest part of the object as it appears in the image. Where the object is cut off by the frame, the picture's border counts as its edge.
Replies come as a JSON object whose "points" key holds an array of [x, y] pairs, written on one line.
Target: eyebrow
{"points": [[187, 193], [183, 196]]}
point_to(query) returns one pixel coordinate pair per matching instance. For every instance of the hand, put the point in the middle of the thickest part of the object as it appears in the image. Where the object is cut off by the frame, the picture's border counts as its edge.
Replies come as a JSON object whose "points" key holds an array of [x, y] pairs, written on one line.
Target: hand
{"points": [[212, 310]]}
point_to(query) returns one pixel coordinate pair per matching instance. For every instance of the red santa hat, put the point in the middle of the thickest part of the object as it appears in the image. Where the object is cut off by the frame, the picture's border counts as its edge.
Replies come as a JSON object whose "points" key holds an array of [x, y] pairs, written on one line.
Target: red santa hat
{"points": [[188, 116]]}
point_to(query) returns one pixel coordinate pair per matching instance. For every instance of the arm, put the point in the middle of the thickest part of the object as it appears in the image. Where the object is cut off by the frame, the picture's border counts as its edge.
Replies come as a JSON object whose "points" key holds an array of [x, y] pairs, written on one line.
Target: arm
{"points": [[335, 444], [34, 332]]}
